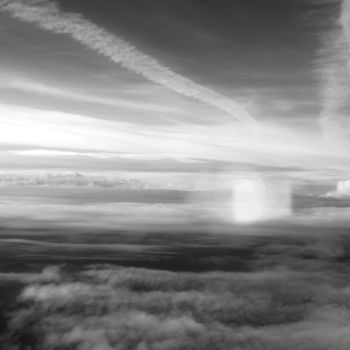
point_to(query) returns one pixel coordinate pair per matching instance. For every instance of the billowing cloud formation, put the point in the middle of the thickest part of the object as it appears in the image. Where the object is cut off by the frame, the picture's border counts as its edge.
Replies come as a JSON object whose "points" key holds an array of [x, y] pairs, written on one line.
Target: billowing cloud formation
{"points": [[47, 15]]}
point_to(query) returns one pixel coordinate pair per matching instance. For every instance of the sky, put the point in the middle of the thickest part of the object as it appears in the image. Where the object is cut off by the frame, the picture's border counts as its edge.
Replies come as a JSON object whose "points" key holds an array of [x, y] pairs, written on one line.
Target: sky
{"points": [[176, 89]]}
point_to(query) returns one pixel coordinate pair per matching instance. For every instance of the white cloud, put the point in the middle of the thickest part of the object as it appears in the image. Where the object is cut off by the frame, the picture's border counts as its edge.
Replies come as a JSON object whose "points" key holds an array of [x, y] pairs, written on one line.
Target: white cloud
{"points": [[50, 274], [342, 190], [59, 135], [334, 70]]}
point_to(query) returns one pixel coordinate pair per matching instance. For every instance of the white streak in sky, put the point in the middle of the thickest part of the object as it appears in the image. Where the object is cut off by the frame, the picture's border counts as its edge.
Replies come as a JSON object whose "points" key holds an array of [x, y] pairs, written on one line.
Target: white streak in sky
{"points": [[334, 66], [44, 89], [46, 15]]}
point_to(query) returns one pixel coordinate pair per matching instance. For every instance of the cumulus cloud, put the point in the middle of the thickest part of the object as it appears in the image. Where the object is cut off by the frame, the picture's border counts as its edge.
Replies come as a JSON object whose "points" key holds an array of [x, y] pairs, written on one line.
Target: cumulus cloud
{"points": [[47, 15], [342, 190]]}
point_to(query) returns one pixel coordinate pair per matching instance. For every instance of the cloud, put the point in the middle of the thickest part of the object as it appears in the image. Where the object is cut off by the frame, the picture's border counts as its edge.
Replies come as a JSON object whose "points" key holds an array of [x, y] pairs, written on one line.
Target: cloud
{"points": [[136, 181], [49, 129], [50, 274], [342, 190], [108, 307], [324, 2], [67, 179], [44, 89], [271, 146], [334, 68], [47, 15]]}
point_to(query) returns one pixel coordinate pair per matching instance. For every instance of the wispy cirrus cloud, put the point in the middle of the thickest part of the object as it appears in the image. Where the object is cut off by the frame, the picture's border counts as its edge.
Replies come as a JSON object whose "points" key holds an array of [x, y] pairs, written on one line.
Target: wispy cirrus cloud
{"points": [[47, 15], [35, 87]]}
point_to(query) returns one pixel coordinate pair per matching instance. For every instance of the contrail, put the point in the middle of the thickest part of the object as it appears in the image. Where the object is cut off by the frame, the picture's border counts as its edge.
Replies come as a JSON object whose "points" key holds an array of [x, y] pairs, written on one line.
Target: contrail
{"points": [[47, 15], [334, 68]]}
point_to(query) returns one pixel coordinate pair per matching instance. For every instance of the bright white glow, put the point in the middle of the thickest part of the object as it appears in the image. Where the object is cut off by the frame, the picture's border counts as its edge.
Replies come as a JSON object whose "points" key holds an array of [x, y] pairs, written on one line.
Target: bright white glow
{"points": [[256, 199], [249, 201]]}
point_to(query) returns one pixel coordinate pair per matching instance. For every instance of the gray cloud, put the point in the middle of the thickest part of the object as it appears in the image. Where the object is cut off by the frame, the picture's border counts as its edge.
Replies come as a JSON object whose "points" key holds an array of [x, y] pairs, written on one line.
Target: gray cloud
{"points": [[76, 179]]}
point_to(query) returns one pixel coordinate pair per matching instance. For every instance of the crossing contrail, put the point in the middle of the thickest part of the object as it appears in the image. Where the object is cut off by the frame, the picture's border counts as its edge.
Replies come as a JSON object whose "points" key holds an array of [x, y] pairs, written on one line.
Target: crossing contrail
{"points": [[47, 15]]}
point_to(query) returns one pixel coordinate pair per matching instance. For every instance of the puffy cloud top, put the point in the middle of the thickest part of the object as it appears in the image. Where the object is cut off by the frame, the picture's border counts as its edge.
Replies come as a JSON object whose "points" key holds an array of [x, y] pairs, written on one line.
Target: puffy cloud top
{"points": [[342, 190]]}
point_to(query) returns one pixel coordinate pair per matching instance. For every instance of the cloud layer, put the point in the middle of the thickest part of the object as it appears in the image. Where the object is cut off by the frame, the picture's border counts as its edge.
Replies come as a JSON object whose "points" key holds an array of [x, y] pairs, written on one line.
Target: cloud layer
{"points": [[70, 179], [106, 307]]}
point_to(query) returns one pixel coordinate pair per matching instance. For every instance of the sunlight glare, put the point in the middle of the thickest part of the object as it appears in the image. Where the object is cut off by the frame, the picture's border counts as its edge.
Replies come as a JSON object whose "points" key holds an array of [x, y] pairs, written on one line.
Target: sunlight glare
{"points": [[256, 199]]}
